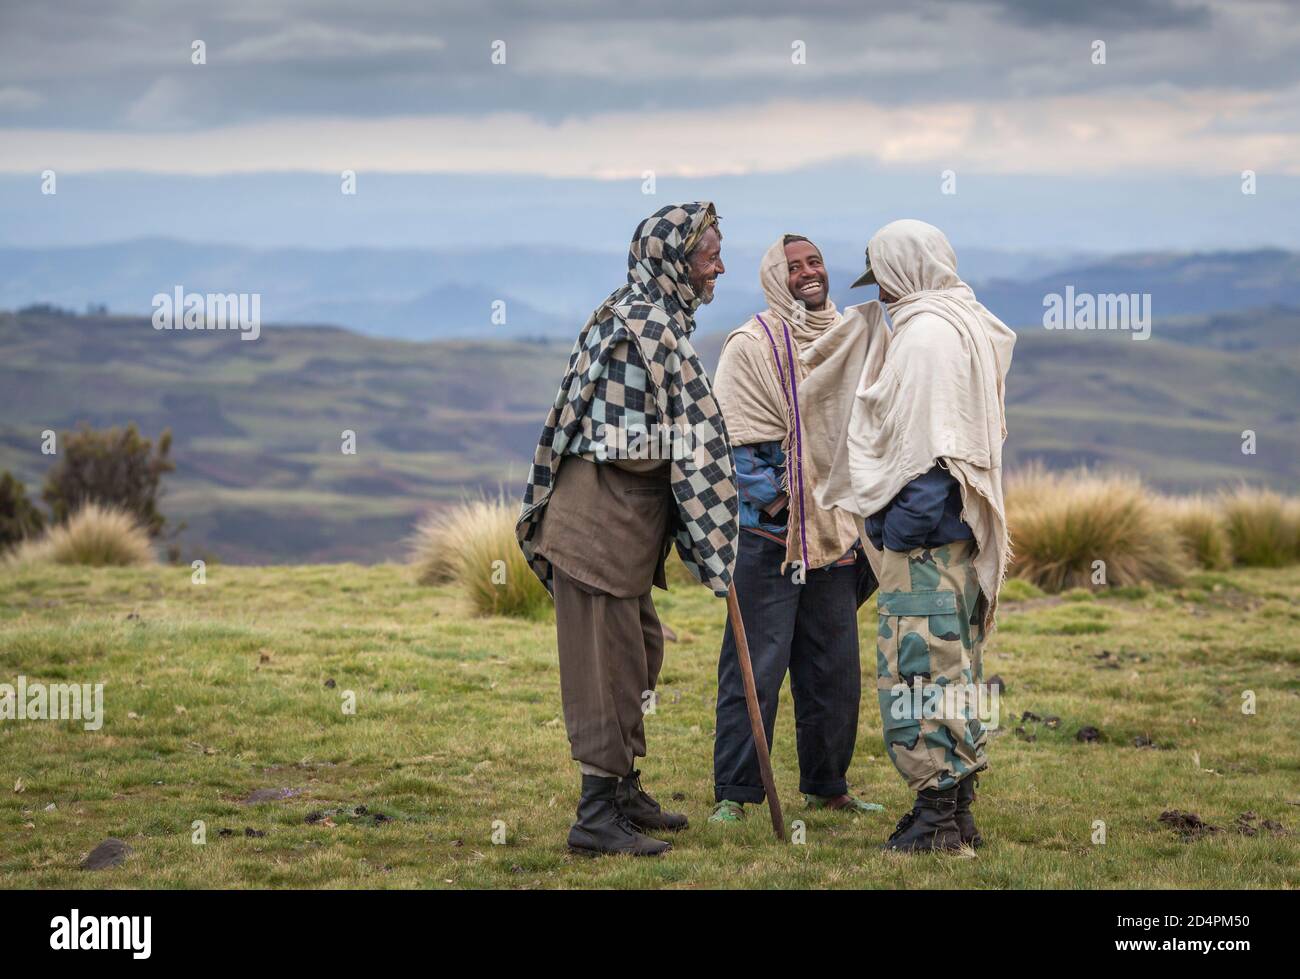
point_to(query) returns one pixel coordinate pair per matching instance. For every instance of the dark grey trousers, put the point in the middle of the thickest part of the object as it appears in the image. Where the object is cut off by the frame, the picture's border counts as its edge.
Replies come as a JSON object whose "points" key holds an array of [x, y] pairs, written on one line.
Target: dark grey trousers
{"points": [[811, 631]]}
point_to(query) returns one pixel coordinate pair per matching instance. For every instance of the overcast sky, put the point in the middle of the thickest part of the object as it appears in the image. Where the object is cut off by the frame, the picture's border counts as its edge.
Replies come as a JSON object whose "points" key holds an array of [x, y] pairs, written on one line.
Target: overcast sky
{"points": [[680, 87]]}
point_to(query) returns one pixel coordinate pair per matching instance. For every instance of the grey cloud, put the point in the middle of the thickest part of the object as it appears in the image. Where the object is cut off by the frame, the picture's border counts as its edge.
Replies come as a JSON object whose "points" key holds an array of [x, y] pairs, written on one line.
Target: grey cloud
{"points": [[106, 65], [1144, 14]]}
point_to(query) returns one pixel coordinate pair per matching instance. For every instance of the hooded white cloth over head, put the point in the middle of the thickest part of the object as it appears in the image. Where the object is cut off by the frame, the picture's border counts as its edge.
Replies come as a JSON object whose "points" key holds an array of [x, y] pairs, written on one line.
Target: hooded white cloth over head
{"points": [[938, 396]]}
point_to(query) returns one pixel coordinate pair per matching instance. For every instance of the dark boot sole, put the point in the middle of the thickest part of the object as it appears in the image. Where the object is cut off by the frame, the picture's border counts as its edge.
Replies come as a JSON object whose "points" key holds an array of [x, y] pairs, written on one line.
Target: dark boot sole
{"points": [[954, 844], [649, 828]]}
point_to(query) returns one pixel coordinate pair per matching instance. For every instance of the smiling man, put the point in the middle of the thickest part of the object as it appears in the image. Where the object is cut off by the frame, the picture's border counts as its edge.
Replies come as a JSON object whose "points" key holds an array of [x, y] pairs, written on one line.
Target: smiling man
{"points": [[801, 573], [604, 503]]}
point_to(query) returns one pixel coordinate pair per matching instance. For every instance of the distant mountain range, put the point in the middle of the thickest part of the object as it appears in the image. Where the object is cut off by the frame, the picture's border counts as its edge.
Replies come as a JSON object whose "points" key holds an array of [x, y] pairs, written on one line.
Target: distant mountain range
{"points": [[258, 425], [1179, 284], [428, 294]]}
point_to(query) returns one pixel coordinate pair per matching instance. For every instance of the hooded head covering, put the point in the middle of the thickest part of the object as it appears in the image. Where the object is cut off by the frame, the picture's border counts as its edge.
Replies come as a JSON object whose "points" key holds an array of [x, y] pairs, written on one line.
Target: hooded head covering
{"points": [[760, 379], [658, 270], [938, 395], [774, 276], [914, 262], [647, 323]]}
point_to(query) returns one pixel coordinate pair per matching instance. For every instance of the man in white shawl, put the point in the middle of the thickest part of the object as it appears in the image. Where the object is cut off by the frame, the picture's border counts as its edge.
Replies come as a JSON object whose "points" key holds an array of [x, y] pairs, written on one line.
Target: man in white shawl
{"points": [[920, 458], [801, 572]]}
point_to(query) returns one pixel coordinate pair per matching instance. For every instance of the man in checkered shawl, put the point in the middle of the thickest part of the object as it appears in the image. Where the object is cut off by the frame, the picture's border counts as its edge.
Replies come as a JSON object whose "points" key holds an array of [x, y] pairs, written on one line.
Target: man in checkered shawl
{"points": [[633, 456]]}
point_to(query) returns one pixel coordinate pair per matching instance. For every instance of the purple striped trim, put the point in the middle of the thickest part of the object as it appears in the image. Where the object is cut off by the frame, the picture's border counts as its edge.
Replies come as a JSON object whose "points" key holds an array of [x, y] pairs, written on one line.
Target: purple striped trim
{"points": [[792, 398], [798, 437]]}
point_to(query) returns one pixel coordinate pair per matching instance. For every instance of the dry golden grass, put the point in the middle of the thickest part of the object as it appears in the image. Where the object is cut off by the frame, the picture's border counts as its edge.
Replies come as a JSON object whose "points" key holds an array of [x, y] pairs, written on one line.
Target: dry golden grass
{"points": [[1061, 523], [1263, 526], [1200, 524], [432, 548], [1291, 515], [473, 544], [95, 536]]}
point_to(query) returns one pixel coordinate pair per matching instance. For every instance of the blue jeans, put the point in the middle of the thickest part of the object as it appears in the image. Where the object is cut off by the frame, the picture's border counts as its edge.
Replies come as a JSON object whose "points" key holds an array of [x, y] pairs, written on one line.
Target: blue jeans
{"points": [[811, 631]]}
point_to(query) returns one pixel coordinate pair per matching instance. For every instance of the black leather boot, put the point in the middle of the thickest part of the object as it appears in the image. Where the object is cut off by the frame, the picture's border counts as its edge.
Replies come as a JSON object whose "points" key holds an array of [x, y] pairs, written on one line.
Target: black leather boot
{"points": [[929, 825], [970, 835], [602, 828], [641, 809]]}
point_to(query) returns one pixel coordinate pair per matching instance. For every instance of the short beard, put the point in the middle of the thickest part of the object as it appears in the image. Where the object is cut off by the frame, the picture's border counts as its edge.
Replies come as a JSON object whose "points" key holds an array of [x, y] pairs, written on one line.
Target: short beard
{"points": [[800, 301]]}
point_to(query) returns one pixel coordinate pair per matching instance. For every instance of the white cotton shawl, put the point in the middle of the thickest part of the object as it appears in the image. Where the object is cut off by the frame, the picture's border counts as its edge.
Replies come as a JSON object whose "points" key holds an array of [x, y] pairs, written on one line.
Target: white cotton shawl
{"points": [[937, 396], [759, 382]]}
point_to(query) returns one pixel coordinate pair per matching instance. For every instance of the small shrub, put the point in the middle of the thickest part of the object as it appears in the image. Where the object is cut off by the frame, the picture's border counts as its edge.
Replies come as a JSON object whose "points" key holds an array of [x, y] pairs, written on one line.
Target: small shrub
{"points": [[94, 536], [1200, 525], [1061, 523], [473, 544], [115, 467], [19, 519], [1261, 526]]}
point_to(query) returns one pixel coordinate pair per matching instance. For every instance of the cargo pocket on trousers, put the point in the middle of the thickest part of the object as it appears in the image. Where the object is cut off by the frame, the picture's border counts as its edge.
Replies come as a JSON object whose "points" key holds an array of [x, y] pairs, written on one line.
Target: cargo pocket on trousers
{"points": [[900, 728], [915, 617]]}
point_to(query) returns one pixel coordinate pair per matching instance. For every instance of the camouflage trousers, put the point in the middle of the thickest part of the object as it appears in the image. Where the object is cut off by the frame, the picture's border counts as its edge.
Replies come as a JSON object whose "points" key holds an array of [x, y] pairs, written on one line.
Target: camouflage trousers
{"points": [[929, 656]]}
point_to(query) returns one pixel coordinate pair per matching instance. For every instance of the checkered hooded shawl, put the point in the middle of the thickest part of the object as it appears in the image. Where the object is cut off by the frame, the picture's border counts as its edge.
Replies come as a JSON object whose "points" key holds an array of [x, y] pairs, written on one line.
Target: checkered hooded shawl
{"points": [[655, 310]]}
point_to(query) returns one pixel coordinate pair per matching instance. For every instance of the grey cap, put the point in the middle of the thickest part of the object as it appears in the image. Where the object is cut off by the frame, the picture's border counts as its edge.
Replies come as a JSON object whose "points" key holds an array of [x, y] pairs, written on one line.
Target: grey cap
{"points": [[868, 277]]}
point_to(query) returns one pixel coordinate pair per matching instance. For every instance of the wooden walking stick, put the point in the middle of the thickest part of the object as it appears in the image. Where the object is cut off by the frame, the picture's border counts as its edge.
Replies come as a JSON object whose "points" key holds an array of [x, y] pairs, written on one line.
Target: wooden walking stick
{"points": [[755, 715]]}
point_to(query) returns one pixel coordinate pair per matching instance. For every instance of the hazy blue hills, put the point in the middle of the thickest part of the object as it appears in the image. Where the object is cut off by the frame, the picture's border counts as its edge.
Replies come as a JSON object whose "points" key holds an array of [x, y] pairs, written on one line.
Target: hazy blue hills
{"points": [[258, 424], [446, 293], [1178, 284]]}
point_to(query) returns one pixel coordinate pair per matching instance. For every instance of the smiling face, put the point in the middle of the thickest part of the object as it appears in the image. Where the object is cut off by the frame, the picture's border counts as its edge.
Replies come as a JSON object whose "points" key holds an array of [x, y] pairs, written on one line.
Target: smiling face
{"points": [[705, 265], [808, 282]]}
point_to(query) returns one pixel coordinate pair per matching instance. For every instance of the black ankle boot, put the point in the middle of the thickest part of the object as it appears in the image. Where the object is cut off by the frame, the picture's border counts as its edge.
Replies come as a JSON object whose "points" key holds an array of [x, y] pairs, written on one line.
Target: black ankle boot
{"points": [[929, 825], [970, 835], [641, 809], [602, 828]]}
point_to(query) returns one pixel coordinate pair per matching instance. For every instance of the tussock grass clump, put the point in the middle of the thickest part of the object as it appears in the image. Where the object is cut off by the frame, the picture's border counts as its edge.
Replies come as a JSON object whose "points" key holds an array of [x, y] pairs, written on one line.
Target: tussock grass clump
{"points": [[1062, 522], [1200, 525], [1291, 515], [473, 544], [432, 548], [95, 536], [1019, 590], [1262, 526]]}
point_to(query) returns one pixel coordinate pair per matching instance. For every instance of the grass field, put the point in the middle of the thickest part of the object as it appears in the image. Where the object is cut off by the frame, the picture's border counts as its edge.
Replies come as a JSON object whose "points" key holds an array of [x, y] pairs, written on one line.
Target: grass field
{"points": [[214, 691]]}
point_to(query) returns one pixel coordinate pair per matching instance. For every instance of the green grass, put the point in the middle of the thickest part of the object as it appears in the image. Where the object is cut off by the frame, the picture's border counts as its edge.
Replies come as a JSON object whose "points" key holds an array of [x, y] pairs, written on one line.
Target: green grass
{"points": [[457, 726]]}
